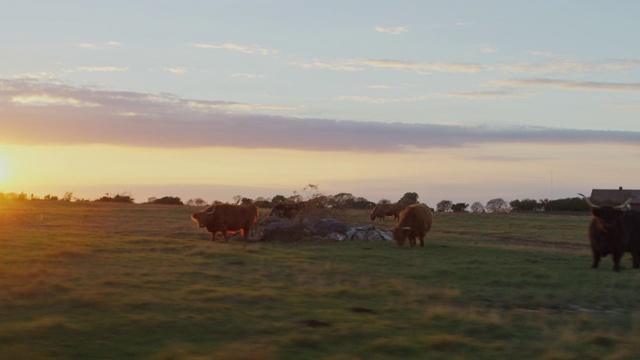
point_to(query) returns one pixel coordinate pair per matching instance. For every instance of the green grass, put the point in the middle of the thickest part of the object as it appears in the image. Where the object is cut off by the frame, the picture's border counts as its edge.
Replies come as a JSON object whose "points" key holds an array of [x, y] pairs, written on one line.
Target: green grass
{"points": [[107, 281]]}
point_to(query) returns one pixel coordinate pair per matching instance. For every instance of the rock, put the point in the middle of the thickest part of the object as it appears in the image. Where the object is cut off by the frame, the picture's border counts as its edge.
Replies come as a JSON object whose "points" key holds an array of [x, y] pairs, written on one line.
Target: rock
{"points": [[325, 227], [284, 231]]}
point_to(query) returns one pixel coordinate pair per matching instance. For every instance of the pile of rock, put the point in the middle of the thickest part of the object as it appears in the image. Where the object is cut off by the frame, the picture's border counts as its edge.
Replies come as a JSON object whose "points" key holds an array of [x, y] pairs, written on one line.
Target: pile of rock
{"points": [[277, 229]]}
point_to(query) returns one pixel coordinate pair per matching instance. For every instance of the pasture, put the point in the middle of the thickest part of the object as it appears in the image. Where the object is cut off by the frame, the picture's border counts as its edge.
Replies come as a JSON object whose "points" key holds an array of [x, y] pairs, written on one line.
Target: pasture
{"points": [[109, 281]]}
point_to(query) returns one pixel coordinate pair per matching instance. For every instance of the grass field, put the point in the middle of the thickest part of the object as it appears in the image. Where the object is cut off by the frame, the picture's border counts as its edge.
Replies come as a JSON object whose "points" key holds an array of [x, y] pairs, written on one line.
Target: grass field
{"points": [[107, 281]]}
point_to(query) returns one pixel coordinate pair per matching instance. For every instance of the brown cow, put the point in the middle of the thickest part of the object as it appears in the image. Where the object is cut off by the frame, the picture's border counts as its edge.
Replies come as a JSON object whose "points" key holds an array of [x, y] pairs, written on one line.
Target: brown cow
{"points": [[382, 210], [614, 231], [227, 218], [415, 222]]}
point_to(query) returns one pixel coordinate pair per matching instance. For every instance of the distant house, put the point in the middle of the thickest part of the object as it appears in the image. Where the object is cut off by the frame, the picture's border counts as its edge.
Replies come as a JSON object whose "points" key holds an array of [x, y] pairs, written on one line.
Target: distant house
{"points": [[616, 197]]}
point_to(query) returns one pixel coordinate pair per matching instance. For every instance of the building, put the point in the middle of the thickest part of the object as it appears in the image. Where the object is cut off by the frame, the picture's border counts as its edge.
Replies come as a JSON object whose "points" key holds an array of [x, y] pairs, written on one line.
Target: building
{"points": [[616, 197]]}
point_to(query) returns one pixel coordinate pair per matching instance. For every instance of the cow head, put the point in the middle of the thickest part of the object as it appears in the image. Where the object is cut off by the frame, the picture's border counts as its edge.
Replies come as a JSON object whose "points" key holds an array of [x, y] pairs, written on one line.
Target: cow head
{"points": [[203, 217], [400, 234], [606, 217]]}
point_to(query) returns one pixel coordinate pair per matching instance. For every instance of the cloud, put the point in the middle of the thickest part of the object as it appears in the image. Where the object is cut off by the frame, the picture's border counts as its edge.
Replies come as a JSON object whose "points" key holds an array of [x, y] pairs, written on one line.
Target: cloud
{"points": [[391, 30], [99, 69], [247, 75], [98, 46], [161, 120], [336, 66], [179, 70], [420, 68], [471, 95], [569, 84], [48, 100], [560, 65], [251, 50]]}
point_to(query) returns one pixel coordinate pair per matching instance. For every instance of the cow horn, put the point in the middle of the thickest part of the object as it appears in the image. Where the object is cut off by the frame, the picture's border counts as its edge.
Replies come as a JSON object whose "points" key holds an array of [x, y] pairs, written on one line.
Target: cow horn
{"points": [[213, 209], [589, 201], [624, 204]]}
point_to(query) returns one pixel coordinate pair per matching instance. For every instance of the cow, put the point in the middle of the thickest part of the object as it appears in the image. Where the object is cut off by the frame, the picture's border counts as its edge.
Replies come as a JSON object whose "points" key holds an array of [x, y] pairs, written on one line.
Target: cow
{"points": [[288, 210], [614, 231], [415, 222], [382, 210], [227, 218]]}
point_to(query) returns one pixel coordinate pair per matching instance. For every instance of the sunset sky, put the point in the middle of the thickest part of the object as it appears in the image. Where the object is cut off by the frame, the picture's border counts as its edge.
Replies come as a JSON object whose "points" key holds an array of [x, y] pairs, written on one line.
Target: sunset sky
{"points": [[458, 100]]}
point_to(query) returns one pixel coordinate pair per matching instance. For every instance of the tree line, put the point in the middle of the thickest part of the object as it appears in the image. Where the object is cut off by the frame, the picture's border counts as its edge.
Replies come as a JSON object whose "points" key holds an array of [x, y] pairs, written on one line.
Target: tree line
{"points": [[339, 201]]}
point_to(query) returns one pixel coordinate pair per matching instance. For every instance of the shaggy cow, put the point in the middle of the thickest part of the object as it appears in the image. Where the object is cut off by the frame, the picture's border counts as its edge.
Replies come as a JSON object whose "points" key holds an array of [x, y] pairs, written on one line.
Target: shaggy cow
{"points": [[415, 222], [614, 231], [227, 218], [287, 210], [382, 210]]}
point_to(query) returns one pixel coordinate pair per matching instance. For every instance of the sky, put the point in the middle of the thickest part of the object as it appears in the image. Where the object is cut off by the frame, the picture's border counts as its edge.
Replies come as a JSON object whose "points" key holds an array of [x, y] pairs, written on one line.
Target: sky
{"points": [[455, 100]]}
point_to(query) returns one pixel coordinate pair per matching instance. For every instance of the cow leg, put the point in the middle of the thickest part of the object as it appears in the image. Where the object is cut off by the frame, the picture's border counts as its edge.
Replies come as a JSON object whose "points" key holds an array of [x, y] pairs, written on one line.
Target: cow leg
{"points": [[596, 260], [213, 237], [422, 241], [616, 262], [636, 259]]}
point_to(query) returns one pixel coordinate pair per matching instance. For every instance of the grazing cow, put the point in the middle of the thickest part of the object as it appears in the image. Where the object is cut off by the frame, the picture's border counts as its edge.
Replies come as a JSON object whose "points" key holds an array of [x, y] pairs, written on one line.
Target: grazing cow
{"points": [[614, 231], [287, 210], [415, 222], [382, 210], [227, 218]]}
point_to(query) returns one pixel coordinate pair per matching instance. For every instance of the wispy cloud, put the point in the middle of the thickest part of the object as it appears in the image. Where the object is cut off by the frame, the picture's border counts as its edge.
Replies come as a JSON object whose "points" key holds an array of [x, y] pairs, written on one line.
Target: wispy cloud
{"points": [[488, 49], [99, 69], [420, 68], [99, 46], [335, 66], [471, 95], [35, 113], [561, 65], [391, 30], [49, 100], [245, 49], [569, 84], [247, 75], [382, 100], [179, 70]]}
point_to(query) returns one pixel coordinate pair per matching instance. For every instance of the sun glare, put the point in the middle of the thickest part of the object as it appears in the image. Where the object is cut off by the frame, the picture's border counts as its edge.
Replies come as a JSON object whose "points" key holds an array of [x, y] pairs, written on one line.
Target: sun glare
{"points": [[3, 170]]}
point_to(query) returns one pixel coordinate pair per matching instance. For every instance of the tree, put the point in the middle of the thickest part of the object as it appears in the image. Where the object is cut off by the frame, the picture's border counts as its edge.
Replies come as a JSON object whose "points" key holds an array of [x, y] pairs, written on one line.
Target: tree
{"points": [[477, 207], [246, 201], [343, 200], [120, 198], [195, 202], [278, 199], [409, 198], [168, 200], [262, 202], [444, 206], [497, 206], [237, 199], [524, 205], [67, 196], [459, 207]]}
